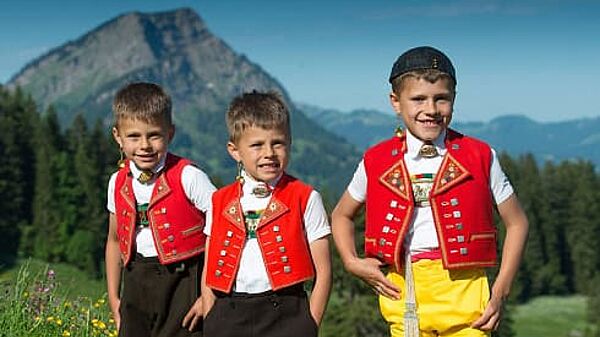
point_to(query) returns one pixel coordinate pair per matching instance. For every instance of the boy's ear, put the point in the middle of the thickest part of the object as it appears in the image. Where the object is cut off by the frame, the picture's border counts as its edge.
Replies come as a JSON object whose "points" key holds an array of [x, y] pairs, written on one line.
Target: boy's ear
{"points": [[115, 133], [233, 152], [395, 102], [171, 132]]}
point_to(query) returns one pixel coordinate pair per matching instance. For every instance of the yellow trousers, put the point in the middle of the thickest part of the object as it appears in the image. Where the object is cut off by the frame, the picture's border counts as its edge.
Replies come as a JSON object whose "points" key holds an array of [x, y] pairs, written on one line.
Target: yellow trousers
{"points": [[448, 301]]}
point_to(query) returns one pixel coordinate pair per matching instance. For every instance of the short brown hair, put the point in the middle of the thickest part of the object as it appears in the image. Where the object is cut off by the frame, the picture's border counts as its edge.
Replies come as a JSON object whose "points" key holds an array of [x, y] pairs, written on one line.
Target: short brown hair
{"points": [[265, 110], [430, 75], [144, 101]]}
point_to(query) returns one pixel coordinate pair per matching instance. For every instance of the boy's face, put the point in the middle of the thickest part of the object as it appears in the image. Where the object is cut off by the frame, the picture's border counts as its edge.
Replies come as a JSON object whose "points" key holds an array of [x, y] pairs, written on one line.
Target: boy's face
{"points": [[263, 152], [425, 108], [145, 143]]}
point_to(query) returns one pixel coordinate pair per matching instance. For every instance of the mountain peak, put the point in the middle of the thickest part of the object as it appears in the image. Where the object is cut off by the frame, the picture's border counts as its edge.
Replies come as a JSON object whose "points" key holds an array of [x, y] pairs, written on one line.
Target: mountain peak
{"points": [[176, 50], [127, 43]]}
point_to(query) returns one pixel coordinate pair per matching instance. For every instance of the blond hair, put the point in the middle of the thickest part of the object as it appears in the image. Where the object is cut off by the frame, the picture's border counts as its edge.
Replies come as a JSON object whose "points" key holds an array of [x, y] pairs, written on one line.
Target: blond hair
{"points": [[265, 110], [143, 101]]}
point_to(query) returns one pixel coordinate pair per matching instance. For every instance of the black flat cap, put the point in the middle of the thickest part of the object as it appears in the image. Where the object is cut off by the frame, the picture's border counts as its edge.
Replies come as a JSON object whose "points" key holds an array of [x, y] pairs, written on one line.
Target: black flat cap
{"points": [[422, 58]]}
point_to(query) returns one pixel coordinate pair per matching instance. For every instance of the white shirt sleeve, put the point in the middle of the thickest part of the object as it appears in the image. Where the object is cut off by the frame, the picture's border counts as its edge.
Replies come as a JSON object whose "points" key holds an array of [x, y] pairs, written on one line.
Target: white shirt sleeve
{"points": [[358, 186], [197, 187], [499, 183], [315, 218], [208, 224], [110, 196]]}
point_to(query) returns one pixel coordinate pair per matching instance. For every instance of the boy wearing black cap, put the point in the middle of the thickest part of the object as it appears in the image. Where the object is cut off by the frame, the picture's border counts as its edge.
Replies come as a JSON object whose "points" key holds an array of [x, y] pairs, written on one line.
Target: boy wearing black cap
{"points": [[429, 193]]}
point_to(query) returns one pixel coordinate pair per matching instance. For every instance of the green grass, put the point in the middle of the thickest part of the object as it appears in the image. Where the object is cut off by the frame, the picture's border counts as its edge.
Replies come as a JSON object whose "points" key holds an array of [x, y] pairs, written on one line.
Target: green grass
{"points": [[37, 301], [551, 316], [545, 316], [73, 282]]}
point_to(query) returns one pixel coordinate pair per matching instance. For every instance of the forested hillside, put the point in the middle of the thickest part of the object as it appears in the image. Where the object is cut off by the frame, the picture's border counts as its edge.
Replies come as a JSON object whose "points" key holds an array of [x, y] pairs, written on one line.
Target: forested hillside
{"points": [[52, 187]]}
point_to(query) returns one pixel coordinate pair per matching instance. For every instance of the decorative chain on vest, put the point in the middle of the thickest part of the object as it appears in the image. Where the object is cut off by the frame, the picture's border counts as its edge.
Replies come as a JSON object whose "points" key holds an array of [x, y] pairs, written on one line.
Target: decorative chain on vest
{"points": [[252, 219], [142, 215]]}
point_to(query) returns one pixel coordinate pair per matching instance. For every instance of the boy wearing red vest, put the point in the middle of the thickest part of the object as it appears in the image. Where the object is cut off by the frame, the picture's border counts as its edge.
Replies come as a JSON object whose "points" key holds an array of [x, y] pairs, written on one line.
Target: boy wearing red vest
{"points": [[157, 203], [267, 234], [429, 193]]}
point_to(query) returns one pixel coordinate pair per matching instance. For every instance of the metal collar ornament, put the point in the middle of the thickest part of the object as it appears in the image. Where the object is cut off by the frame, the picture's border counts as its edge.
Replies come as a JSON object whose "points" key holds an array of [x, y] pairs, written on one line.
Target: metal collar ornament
{"points": [[145, 177], [428, 150]]}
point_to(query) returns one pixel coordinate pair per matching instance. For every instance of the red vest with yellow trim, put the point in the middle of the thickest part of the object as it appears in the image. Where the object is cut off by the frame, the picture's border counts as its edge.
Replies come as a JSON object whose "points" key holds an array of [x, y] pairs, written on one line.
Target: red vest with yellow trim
{"points": [[460, 199], [280, 233], [175, 222]]}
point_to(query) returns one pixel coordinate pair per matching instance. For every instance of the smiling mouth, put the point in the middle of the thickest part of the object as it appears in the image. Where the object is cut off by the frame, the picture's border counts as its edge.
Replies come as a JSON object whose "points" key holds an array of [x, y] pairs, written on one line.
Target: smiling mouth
{"points": [[270, 165], [431, 122], [146, 156]]}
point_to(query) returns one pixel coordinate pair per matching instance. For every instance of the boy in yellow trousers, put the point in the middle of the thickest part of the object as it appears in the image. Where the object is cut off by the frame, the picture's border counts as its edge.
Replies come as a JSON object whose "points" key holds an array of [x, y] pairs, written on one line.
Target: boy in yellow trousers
{"points": [[429, 193]]}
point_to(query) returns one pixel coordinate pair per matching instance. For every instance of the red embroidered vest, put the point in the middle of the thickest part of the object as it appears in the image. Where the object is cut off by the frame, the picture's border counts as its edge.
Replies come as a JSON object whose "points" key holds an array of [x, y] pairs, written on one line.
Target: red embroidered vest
{"points": [[280, 234], [460, 199], [175, 222]]}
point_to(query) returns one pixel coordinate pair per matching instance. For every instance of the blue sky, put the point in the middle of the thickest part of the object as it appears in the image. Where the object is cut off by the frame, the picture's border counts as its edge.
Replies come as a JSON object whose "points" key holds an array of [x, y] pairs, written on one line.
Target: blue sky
{"points": [[539, 58]]}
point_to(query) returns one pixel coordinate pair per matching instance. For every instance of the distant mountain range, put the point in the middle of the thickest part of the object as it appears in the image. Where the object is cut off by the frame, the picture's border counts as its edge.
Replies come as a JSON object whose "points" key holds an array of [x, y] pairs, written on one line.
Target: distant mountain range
{"points": [[515, 134], [202, 73]]}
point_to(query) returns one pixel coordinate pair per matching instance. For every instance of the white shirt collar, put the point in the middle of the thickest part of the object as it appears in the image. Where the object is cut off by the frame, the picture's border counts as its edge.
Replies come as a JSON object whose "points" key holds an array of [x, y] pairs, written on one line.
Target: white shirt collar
{"points": [[136, 172], [250, 183], [413, 144]]}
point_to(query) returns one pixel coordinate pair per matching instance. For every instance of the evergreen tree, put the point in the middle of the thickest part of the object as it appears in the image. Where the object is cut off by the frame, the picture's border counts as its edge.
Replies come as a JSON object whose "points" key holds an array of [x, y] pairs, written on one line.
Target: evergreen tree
{"points": [[42, 238], [531, 280], [87, 197], [18, 117], [557, 191], [584, 227]]}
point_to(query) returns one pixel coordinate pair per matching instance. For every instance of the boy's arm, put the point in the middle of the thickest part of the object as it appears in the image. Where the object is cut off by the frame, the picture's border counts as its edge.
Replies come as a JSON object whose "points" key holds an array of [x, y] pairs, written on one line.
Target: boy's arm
{"points": [[194, 315], [367, 269], [208, 297], [517, 227], [321, 257], [113, 268]]}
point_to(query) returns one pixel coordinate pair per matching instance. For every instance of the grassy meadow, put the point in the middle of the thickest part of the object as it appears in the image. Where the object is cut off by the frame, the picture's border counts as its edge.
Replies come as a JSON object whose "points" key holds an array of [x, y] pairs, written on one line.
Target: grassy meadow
{"points": [[38, 299], [551, 316]]}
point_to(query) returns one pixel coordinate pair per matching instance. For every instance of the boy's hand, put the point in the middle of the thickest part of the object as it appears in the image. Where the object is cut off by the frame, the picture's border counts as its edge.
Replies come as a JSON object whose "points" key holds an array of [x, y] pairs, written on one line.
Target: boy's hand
{"points": [[368, 270], [490, 319], [193, 316], [114, 308]]}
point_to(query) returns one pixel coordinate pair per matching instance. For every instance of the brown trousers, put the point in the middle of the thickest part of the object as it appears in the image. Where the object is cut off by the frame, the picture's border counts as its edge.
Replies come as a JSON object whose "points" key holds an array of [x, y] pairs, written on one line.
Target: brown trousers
{"points": [[155, 298], [283, 313]]}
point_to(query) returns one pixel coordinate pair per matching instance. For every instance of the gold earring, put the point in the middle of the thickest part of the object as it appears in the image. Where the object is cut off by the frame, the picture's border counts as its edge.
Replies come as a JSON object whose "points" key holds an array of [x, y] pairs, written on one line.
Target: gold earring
{"points": [[399, 132], [121, 161], [239, 176]]}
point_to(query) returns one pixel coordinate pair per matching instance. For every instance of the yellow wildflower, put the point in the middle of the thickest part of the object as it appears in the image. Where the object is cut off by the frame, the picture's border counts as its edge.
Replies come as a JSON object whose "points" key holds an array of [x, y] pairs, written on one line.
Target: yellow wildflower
{"points": [[50, 319], [66, 333], [59, 321]]}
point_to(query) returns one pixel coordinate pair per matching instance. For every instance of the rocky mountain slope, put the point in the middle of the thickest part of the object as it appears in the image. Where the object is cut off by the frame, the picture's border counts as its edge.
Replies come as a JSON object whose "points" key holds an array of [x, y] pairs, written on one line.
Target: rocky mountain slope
{"points": [[176, 50]]}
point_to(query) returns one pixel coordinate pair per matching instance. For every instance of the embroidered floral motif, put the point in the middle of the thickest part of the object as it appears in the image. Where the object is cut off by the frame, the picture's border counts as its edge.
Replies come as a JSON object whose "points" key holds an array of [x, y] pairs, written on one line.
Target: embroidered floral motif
{"points": [[394, 178], [451, 173]]}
